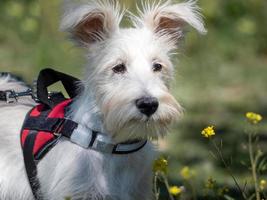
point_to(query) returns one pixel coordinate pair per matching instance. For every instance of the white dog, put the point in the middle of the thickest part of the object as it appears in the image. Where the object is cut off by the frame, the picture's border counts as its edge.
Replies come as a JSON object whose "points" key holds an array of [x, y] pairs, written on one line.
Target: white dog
{"points": [[126, 95]]}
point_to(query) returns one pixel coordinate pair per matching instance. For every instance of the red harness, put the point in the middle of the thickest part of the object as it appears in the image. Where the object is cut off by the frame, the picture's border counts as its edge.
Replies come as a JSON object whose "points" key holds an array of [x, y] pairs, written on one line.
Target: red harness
{"points": [[44, 139], [42, 128]]}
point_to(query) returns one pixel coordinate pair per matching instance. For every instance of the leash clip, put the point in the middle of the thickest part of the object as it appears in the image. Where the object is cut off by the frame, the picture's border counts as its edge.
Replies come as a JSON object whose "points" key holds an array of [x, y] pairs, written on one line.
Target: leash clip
{"points": [[11, 96], [82, 136]]}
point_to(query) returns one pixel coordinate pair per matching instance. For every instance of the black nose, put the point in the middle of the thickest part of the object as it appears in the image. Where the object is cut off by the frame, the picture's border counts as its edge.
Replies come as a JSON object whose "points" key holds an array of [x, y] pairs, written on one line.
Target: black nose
{"points": [[147, 105]]}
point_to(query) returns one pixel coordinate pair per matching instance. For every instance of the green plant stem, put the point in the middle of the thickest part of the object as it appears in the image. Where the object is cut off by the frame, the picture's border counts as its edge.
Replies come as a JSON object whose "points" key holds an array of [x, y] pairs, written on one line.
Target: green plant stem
{"points": [[156, 192], [228, 169], [253, 166], [165, 180], [193, 189]]}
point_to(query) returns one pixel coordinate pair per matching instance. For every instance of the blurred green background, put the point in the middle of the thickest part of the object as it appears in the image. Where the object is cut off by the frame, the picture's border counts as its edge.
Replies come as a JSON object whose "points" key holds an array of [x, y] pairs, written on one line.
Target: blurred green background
{"points": [[220, 76]]}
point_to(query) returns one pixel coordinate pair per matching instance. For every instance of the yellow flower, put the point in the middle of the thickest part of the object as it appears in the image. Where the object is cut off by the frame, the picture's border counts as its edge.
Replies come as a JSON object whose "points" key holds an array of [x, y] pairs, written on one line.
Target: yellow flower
{"points": [[208, 132], [210, 184], [160, 165], [222, 191], [174, 190], [186, 173], [253, 118], [263, 184]]}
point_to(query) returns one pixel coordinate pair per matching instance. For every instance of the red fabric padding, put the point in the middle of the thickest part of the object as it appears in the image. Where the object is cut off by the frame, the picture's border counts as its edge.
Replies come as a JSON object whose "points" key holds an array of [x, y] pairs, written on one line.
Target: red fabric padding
{"points": [[42, 137], [24, 134], [41, 140], [37, 110], [59, 110]]}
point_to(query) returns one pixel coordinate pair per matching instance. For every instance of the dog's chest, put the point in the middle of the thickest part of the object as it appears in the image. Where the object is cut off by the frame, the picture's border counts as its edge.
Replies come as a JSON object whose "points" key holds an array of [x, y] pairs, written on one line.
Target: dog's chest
{"points": [[82, 174]]}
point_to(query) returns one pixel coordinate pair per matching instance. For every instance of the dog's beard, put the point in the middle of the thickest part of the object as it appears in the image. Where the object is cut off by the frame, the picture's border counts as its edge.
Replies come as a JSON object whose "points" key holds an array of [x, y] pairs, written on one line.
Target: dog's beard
{"points": [[125, 122]]}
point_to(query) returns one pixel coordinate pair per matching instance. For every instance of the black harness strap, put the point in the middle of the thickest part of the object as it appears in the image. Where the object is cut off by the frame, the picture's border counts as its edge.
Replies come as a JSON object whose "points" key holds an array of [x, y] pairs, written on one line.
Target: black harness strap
{"points": [[60, 126], [115, 151], [30, 165], [48, 77]]}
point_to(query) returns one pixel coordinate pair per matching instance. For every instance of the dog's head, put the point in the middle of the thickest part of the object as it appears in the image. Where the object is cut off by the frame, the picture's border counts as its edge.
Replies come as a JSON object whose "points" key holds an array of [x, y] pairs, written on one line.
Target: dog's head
{"points": [[130, 69]]}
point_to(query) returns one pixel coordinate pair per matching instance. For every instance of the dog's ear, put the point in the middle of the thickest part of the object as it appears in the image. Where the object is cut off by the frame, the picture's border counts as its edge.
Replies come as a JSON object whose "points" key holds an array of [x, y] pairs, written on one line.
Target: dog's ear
{"points": [[92, 22], [170, 19]]}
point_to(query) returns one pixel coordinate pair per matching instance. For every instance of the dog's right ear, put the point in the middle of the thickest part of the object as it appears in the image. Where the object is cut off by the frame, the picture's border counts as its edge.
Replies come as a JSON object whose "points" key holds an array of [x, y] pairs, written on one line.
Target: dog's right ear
{"points": [[170, 19], [92, 22]]}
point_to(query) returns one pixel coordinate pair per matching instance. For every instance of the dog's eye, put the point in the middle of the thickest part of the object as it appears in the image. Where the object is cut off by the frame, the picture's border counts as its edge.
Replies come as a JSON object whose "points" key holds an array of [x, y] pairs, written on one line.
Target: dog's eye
{"points": [[157, 67], [119, 69]]}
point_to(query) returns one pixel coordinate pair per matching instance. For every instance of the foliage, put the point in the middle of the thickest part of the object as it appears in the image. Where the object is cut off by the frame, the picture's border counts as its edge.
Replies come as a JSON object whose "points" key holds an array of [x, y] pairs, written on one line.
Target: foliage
{"points": [[253, 188]]}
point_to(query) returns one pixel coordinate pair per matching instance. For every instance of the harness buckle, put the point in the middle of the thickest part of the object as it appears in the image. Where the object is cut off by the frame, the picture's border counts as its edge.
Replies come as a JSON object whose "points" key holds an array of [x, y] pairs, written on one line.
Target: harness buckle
{"points": [[103, 146], [81, 136], [59, 127], [11, 96]]}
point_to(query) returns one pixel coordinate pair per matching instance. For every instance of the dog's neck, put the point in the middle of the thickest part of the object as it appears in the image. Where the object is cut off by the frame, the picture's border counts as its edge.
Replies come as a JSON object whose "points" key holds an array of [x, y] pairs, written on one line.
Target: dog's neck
{"points": [[84, 111]]}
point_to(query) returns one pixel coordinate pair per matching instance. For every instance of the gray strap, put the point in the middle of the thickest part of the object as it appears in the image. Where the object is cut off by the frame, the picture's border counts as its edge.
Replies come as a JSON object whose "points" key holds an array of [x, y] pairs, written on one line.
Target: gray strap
{"points": [[87, 138]]}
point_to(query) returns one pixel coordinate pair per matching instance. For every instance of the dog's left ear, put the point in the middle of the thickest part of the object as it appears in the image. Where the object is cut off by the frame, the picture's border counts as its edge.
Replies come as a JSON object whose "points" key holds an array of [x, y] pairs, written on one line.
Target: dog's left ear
{"points": [[171, 19], [92, 22]]}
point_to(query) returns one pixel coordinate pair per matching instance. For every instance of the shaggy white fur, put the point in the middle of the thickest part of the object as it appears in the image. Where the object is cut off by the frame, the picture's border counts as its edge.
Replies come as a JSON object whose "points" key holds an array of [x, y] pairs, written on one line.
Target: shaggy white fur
{"points": [[124, 65]]}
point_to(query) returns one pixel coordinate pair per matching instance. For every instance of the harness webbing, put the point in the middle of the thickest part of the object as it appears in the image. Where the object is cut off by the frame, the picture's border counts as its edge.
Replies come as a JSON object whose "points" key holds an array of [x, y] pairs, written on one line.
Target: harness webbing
{"points": [[38, 137], [30, 165]]}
